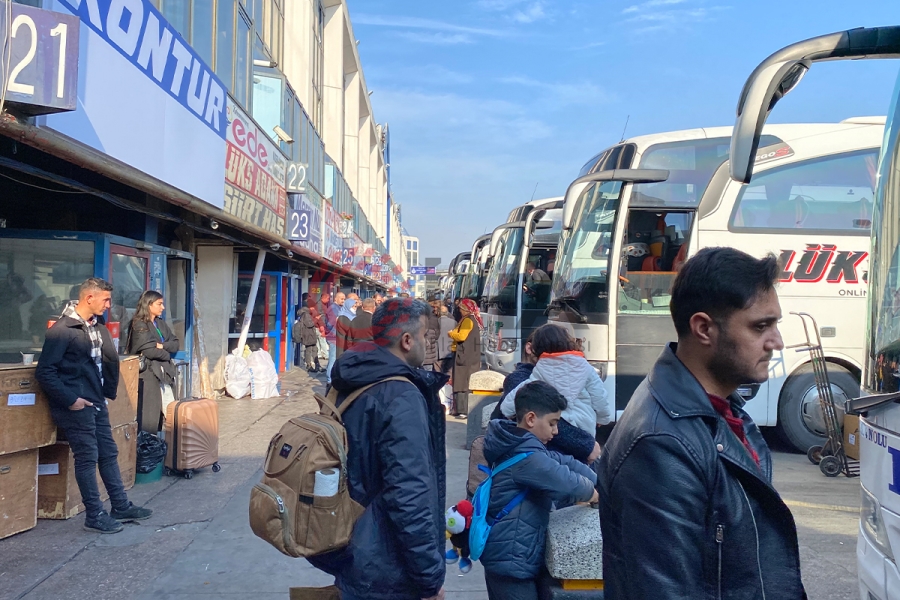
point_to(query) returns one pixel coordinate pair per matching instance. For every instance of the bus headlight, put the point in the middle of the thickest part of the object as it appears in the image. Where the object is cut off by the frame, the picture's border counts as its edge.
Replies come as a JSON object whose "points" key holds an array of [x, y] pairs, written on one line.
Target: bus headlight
{"points": [[873, 524], [509, 345], [600, 367]]}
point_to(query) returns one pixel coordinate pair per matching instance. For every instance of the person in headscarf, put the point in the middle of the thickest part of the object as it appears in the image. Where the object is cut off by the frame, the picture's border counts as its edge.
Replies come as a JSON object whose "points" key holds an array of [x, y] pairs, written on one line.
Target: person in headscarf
{"points": [[345, 318], [467, 345]]}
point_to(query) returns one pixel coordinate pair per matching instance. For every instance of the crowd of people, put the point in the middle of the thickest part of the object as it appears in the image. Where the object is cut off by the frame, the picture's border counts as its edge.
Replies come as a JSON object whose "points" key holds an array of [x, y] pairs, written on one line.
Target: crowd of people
{"points": [[683, 484], [327, 326]]}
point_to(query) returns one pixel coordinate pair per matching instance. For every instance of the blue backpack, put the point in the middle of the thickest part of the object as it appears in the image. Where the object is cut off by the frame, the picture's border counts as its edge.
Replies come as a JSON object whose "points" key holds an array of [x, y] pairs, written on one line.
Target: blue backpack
{"points": [[481, 524]]}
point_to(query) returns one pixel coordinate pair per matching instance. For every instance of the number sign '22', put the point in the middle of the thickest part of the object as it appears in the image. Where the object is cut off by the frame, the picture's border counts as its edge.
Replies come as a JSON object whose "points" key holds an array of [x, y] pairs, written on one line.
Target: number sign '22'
{"points": [[43, 59]]}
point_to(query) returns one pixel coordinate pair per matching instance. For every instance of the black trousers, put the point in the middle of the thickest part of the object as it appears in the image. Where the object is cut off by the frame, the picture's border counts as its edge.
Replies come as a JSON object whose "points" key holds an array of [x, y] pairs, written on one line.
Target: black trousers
{"points": [[90, 438], [507, 588]]}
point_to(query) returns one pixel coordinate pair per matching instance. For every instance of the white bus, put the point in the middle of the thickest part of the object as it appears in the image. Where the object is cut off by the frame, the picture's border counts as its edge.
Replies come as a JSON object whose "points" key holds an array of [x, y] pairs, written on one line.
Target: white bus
{"points": [[517, 285], [472, 286], [810, 203], [879, 428]]}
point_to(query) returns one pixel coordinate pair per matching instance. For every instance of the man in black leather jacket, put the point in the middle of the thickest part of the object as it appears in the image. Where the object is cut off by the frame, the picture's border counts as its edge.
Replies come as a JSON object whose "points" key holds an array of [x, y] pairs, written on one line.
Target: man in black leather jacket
{"points": [[687, 505]]}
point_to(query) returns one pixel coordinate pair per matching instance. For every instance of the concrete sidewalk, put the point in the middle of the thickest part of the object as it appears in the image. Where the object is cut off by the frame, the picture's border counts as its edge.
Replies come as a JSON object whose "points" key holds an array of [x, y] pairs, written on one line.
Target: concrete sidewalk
{"points": [[198, 544]]}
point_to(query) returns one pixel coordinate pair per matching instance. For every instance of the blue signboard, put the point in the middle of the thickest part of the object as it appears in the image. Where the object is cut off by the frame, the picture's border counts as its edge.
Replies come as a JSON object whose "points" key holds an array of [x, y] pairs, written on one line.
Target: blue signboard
{"points": [[422, 270], [299, 225]]}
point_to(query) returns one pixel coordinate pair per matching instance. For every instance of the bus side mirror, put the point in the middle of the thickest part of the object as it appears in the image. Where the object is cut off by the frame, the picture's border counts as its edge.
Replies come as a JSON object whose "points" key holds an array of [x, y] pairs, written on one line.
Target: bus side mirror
{"points": [[769, 86]]}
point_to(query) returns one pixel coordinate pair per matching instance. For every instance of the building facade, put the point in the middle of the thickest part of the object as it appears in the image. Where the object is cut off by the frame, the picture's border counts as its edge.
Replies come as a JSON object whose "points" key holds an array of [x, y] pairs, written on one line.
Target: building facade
{"points": [[210, 146]]}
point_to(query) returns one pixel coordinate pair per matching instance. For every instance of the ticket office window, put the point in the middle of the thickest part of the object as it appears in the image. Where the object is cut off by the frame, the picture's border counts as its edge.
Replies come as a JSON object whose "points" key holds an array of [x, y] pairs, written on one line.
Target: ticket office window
{"points": [[654, 248], [37, 279]]}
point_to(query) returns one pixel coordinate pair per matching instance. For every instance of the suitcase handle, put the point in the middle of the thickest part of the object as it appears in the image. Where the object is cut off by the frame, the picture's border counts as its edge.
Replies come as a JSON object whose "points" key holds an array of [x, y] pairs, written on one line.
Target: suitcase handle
{"points": [[5, 469], [24, 383]]}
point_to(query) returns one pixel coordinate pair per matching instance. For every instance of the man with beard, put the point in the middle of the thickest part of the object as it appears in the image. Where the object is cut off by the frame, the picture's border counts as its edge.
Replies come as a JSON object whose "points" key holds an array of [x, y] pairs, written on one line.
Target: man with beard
{"points": [[396, 462], [687, 506]]}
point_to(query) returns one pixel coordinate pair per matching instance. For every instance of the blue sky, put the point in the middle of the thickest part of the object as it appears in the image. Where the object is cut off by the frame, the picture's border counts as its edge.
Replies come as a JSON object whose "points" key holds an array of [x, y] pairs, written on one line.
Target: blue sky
{"points": [[488, 98]]}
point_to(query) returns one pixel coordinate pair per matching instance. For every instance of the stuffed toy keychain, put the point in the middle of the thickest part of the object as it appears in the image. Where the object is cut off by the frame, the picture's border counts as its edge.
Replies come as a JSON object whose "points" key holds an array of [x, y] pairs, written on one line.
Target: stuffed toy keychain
{"points": [[458, 519]]}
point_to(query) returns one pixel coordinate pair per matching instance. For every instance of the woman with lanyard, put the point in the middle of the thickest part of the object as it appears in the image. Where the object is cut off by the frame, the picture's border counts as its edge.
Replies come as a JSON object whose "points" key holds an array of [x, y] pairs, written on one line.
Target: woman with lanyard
{"points": [[467, 345], [151, 338]]}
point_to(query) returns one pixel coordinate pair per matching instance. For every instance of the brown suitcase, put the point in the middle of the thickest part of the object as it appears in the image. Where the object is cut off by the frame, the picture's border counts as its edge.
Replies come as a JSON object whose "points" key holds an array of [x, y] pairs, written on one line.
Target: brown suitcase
{"points": [[192, 436], [25, 421], [476, 457]]}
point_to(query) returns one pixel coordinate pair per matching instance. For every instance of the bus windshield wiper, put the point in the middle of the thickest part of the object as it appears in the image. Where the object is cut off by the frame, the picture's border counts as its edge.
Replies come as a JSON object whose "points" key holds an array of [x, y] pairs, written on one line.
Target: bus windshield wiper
{"points": [[568, 303]]}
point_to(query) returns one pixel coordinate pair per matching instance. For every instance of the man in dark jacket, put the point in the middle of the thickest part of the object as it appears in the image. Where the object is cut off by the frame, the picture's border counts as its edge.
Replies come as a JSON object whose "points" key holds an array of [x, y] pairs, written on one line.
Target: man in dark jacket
{"points": [[361, 326], [687, 505], [396, 464], [79, 372]]}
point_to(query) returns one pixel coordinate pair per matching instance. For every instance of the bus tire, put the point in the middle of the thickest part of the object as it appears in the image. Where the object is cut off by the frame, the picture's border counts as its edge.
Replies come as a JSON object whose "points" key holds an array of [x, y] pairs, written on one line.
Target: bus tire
{"points": [[791, 424]]}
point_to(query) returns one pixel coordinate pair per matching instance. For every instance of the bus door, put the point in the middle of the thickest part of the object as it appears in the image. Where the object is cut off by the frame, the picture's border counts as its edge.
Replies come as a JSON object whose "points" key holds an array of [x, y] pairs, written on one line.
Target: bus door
{"points": [[654, 245]]}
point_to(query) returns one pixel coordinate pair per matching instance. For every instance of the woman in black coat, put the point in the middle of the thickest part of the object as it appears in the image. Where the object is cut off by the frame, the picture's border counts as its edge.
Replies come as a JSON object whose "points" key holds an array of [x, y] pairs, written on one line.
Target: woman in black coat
{"points": [[151, 338]]}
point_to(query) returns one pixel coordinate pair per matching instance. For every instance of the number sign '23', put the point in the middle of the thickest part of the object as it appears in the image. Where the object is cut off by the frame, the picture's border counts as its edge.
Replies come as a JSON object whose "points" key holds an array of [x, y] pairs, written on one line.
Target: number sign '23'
{"points": [[298, 225], [43, 59]]}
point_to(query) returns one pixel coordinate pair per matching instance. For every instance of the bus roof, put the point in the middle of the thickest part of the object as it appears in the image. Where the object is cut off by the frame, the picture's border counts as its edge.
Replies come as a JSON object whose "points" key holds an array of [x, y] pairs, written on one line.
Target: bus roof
{"points": [[794, 131]]}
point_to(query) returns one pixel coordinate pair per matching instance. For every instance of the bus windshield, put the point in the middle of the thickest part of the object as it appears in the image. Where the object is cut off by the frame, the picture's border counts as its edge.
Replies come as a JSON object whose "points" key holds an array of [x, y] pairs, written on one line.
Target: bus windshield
{"points": [[502, 284], [883, 353], [581, 274], [473, 286]]}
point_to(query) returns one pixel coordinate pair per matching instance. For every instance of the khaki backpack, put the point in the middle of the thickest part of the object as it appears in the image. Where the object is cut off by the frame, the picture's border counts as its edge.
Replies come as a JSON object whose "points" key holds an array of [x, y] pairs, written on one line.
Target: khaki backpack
{"points": [[283, 509]]}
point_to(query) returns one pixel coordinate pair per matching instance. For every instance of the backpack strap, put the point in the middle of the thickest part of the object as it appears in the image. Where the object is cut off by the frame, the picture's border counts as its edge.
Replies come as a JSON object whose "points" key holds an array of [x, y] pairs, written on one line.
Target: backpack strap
{"points": [[520, 497], [330, 402]]}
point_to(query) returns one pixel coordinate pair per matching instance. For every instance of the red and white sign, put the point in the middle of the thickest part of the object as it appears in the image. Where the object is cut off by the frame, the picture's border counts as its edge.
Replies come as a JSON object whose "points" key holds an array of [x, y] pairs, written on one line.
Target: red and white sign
{"points": [[254, 173]]}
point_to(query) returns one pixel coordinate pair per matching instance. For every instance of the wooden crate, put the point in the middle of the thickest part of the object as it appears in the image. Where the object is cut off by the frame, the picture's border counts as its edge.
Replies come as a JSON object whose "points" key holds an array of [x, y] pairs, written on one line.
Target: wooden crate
{"points": [[123, 409], [18, 492], [25, 420], [58, 496]]}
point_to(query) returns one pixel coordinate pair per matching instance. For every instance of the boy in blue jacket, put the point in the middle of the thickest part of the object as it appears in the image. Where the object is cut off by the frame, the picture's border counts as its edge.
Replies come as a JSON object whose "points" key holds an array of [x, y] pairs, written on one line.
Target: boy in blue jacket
{"points": [[514, 554]]}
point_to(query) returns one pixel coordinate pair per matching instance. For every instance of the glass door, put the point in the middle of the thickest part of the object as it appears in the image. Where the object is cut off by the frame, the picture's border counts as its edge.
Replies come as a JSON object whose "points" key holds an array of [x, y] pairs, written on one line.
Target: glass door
{"points": [[130, 277], [257, 337], [177, 298]]}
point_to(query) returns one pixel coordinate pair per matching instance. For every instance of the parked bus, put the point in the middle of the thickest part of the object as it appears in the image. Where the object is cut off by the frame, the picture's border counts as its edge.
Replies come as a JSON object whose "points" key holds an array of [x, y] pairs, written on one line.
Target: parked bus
{"points": [[517, 285], [879, 426], [455, 272], [810, 204], [473, 281]]}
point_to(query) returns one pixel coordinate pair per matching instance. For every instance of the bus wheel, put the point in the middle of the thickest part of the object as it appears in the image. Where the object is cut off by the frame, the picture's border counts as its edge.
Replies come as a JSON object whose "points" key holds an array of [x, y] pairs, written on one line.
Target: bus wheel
{"points": [[800, 419]]}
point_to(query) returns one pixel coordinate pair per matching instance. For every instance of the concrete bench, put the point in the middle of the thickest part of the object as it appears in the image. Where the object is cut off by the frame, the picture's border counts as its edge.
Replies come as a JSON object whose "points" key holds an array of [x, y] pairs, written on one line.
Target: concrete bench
{"points": [[574, 552], [486, 387]]}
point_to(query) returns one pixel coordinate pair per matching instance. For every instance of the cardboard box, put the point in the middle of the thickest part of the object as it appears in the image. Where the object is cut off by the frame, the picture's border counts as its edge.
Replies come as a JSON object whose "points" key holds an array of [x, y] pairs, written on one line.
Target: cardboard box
{"points": [[58, 496], [18, 492], [25, 420], [123, 409], [851, 436]]}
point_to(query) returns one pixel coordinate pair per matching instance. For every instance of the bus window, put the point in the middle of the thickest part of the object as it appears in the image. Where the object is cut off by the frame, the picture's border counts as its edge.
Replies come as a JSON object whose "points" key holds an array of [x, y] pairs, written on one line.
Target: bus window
{"points": [[537, 279], [833, 193], [655, 246], [690, 165]]}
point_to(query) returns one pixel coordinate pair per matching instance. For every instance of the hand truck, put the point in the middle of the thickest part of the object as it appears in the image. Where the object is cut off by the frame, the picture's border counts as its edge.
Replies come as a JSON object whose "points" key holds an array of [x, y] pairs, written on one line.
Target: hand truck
{"points": [[831, 457]]}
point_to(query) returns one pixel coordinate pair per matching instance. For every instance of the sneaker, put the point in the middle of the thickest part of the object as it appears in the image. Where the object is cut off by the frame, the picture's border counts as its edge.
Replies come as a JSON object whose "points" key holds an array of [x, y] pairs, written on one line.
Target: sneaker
{"points": [[451, 556], [465, 565], [132, 513], [103, 523]]}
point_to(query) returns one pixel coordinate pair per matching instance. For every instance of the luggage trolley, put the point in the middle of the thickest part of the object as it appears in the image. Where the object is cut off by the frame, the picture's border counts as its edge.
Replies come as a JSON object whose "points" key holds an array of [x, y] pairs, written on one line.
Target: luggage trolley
{"points": [[831, 457]]}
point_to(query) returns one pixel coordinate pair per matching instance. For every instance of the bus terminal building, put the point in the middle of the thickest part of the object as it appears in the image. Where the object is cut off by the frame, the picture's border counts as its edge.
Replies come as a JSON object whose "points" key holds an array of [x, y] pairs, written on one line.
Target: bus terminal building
{"points": [[198, 144]]}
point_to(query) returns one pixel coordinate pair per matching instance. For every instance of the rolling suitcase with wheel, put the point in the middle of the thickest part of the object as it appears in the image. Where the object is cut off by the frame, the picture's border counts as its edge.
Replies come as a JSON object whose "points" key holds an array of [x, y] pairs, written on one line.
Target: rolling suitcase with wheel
{"points": [[192, 435]]}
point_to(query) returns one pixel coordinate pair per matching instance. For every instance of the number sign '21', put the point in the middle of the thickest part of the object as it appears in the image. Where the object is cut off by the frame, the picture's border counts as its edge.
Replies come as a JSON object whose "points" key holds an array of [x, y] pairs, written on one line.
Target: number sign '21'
{"points": [[43, 59]]}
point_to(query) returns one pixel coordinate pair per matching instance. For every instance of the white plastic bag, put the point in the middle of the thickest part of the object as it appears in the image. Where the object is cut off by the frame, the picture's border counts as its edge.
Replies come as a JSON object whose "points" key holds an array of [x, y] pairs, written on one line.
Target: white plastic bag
{"points": [[446, 396], [263, 376], [237, 376]]}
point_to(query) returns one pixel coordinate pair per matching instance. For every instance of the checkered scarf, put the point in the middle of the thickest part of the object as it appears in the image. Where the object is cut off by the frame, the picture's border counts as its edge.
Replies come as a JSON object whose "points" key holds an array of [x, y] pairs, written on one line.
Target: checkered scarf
{"points": [[93, 332]]}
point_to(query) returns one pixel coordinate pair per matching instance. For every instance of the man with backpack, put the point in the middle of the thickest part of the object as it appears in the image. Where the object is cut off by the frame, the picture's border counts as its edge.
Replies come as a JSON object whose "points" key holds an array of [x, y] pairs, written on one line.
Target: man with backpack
{"points": [[396, 462]]}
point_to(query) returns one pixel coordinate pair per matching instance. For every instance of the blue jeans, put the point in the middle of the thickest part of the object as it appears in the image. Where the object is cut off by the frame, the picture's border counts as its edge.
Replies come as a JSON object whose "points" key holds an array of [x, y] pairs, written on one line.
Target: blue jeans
{"points": [[332, 356], [90, 438]]}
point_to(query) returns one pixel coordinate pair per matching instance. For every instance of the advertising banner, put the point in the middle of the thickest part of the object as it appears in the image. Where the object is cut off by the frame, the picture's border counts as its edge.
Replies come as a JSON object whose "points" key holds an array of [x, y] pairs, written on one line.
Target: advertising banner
{"points": [[333, 242], [145, 97], [254, 174]]}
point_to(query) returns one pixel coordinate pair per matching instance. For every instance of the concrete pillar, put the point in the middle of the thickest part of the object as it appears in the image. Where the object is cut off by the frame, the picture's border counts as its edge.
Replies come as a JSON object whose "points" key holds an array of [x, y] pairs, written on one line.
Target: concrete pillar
{"points": [[351, 131], [214, 297], [333, 92]]}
